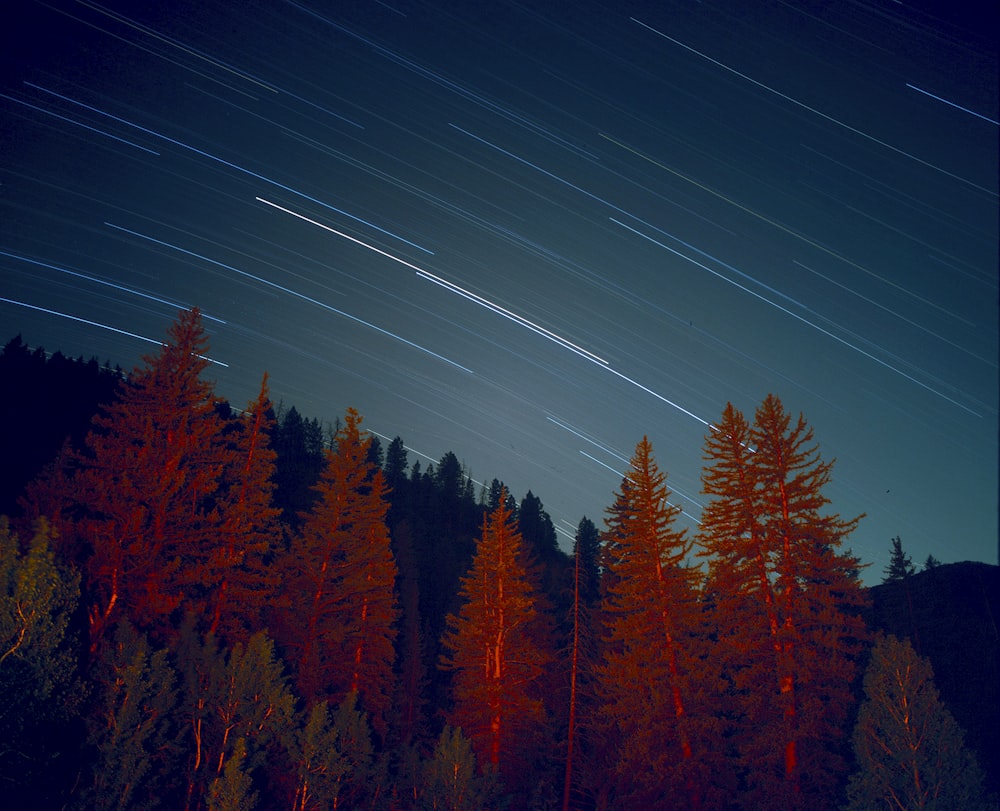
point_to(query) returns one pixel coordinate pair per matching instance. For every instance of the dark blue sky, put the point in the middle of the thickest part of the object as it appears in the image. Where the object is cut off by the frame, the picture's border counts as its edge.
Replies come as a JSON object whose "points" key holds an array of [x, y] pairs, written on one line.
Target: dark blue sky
{"points": [[532, 233]]}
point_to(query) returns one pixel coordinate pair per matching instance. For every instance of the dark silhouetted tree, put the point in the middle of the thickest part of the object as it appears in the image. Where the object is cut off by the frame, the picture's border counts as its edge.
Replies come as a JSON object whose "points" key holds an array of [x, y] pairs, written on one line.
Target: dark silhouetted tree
{"points": [[493, 654], [583, 648], [900, 566], [786, 603], [338, 623], [298, 445], [910, 751]]}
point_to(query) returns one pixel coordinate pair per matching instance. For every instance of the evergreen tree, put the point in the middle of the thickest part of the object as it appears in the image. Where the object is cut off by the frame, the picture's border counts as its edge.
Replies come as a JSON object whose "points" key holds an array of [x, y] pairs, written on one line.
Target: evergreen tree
{"points": [[492, 653], [148, 485], [239, 577], [582, 652], [652, 680], [338, 623], [786, 603], [900, 565], [910, 751], [298, 445], [931, 563]]}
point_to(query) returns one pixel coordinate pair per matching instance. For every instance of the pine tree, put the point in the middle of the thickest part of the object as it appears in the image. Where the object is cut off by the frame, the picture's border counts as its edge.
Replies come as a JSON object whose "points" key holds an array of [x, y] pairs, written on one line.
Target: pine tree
{"points": [[900, 565], [652, 679], [909, 749], [492, 653], [339, 622], [147, 486], [239, 577], [582, 653], [786, 603]]}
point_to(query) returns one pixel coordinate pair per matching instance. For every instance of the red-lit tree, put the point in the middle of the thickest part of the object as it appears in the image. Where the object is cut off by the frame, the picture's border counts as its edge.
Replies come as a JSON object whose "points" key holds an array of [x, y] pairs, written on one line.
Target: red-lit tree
{"points": [[338, 621], [786, 605], [237, 576], [653, 679], [147, 486], [493, 653]]}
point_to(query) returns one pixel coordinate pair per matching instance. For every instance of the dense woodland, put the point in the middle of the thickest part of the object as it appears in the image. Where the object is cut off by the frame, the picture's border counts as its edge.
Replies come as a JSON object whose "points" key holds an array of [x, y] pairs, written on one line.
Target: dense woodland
{"points": [[210, 608]]}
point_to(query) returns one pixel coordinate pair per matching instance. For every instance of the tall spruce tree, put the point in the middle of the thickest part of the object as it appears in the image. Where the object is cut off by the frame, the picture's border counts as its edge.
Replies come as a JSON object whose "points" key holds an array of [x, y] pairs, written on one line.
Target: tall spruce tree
{"points": [[239, 579], [493, 653], [146, 488], [338, 620], [652, 682], [785, 601]]}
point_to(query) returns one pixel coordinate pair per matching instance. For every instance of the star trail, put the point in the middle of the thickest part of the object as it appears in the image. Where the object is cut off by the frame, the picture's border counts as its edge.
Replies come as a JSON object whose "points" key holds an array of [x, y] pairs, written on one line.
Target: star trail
{"points": [[531, 234]]}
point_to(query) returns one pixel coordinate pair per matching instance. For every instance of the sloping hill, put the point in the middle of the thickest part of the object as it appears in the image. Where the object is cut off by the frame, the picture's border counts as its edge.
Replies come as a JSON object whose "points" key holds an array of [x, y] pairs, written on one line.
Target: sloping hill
{"points": [[950, 614]]}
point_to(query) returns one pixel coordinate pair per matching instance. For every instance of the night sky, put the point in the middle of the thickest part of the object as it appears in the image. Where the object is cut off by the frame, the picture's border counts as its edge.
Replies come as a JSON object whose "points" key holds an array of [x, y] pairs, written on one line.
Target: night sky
{"points": [[531, 233]]}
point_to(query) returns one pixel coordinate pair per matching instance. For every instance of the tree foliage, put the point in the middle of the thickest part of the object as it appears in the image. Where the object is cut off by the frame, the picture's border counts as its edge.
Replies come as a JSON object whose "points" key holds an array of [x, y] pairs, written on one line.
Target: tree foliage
{"points": [[652, 680], [38, 684], [785, 602], [910, 751], [338, 622], [492, 652]]}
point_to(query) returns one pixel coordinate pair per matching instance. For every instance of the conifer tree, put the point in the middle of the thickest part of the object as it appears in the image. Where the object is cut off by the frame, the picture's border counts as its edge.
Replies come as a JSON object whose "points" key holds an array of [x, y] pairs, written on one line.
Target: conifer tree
{"points": [[785, 600], [239, 579], [451, 780], [910, 751], [900, 566], [492, 652], [652, 679], [147, 486], [582, 652], [338, 624]]}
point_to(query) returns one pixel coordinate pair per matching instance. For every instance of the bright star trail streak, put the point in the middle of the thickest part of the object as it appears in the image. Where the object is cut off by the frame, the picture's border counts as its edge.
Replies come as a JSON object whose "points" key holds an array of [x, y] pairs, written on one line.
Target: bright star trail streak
{"points": [[532, 234], [454, 288], [268, 283], [797, 317], [107, 327], [813, 110]]}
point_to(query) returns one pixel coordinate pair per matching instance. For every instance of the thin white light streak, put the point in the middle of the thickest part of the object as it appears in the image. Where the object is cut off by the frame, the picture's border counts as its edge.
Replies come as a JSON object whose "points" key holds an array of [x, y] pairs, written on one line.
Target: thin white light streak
{"points": [[952, 104], [101, 326], [586, 438], [813, 110], [294, 293], [121, 287], [794, 315], [452, 287]]}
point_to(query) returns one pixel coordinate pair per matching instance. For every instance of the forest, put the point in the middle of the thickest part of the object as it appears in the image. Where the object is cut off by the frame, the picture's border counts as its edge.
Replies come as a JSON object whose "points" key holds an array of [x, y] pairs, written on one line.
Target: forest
{"points": [[205, 607]]}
